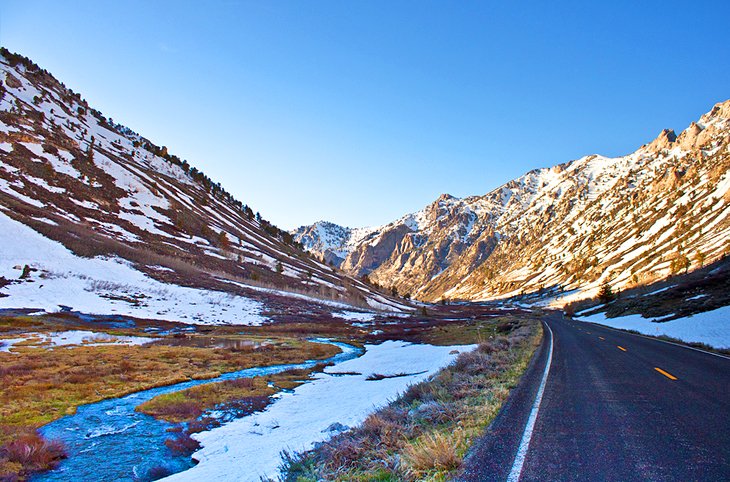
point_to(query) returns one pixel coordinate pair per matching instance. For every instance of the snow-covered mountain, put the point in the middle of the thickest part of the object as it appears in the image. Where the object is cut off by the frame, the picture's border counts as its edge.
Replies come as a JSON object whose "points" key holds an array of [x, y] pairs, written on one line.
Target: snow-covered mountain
{"points": [[627, 220], [74, 177], [330, 241]]}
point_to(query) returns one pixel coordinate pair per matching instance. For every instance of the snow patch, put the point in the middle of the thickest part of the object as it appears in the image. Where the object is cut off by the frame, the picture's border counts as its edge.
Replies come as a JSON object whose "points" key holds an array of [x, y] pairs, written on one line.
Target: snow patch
{"points": [[105, 285], [710, 327]]}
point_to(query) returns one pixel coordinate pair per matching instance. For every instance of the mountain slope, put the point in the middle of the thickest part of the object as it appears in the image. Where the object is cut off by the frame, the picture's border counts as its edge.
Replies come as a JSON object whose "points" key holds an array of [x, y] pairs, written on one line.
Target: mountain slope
{"points": [[626, 220], [100, 189]]}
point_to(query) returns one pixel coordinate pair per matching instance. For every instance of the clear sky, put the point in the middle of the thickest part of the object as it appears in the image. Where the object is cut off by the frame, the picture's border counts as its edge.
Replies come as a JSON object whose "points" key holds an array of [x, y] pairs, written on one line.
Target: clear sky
{"points": [[361, 111]]}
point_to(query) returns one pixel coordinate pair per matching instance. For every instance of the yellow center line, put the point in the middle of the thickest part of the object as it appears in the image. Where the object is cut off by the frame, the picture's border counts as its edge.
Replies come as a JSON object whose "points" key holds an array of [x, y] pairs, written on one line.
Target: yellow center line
{"points": [[621, 348], [601, 338], [668, 375]]}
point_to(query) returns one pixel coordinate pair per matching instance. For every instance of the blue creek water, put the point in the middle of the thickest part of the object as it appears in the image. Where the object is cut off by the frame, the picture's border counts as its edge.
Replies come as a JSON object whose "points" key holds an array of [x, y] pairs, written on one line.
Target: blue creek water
{"points": [[109, 441]]}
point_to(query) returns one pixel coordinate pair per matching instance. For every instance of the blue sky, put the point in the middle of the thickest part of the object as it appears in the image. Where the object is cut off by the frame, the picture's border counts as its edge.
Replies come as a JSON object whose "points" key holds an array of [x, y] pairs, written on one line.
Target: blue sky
{"points": [[359, 112]]}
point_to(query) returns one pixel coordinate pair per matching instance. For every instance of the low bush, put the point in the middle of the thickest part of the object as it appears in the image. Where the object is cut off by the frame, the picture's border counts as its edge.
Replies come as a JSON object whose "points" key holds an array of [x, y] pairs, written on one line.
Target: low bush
{"points": [[33, 453], [241, 383], [182, 444]]}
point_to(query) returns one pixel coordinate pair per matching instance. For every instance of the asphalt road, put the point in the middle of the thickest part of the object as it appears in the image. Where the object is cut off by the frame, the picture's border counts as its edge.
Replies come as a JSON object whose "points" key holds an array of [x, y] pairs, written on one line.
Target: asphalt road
{"points": [[615, 406]]}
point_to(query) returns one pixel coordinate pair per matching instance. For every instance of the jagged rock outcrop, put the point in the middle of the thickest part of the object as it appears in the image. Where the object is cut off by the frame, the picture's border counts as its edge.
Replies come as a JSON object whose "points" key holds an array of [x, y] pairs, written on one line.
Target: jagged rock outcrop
{"points": [[663, 141]]}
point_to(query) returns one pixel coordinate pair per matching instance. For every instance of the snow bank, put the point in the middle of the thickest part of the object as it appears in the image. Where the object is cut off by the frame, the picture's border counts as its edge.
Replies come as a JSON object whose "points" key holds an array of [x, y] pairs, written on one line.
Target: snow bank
{"points": [[249, 448], [105, 285], [710, 327], [354, 315], [74, 337]]}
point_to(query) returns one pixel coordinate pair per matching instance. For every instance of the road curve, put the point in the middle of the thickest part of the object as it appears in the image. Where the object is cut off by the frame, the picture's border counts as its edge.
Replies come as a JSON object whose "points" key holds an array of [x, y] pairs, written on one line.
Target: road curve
{"points": [[615, 406]]}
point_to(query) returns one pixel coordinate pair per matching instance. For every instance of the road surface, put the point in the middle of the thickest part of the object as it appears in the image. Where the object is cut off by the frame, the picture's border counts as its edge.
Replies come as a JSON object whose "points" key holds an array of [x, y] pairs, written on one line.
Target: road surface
{"points": [[614, 406]]}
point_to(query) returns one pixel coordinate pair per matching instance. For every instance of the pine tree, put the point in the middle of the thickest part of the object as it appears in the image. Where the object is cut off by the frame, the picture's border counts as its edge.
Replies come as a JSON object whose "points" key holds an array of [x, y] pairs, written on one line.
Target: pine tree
{"points": [[606, 294]]}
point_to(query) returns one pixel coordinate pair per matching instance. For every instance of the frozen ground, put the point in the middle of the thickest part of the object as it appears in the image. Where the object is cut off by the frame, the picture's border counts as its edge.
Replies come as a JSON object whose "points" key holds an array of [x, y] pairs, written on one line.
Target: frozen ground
{"points": [[73, 337], [249, 448], [354, 316], [710, 327], [104, 285]]}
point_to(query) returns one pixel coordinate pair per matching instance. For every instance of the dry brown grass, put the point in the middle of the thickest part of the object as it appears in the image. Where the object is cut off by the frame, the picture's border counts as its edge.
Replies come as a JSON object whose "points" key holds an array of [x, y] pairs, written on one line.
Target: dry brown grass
{"points": [[27, 454], [433, 452], [425, 434], [245, 395]]}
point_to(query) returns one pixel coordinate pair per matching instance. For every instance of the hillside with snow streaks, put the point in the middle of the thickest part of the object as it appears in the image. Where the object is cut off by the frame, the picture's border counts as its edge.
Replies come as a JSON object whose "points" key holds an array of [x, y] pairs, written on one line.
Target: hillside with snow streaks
{"points": [[628, 220], [104, 285], [100, 189]]}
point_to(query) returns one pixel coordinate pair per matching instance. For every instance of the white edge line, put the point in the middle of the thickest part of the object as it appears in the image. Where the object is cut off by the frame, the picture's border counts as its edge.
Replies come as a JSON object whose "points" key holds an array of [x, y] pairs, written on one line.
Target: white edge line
{"points": [[649, 337], [516, 471]]}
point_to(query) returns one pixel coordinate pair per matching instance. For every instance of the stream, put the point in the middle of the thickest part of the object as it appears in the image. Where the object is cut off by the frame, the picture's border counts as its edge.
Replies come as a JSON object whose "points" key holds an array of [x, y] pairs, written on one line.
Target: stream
{"points": [[109, 441]]}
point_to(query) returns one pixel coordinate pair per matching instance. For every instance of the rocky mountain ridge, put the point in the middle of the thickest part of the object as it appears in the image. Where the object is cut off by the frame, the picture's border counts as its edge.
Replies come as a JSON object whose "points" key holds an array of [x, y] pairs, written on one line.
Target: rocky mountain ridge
{"points": [[626, 221]]}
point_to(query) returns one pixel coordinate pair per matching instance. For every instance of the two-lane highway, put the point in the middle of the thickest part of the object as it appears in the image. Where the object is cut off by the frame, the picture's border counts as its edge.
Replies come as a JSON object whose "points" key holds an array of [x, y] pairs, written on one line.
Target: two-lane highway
{"points": [[615, 406]]}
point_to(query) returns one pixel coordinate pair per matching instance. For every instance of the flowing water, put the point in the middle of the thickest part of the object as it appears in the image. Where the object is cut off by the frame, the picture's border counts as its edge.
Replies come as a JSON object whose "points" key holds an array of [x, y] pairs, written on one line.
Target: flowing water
{"points": [[109, 441]]}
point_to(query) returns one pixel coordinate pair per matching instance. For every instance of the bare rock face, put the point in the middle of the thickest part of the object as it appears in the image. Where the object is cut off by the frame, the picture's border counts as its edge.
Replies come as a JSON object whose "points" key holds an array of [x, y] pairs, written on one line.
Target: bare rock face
{"points": [[690, 137], [720, 111], [664, 140], [369, 256]]}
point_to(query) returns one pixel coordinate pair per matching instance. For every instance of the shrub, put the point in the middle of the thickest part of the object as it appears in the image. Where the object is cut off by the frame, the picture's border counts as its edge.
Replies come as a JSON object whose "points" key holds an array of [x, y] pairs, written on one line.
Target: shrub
{"points": [[436, 412], [202, 425], [241, 382], [33, 452], [183, 444], [420, 391], [434, 451], [177, 410]]}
